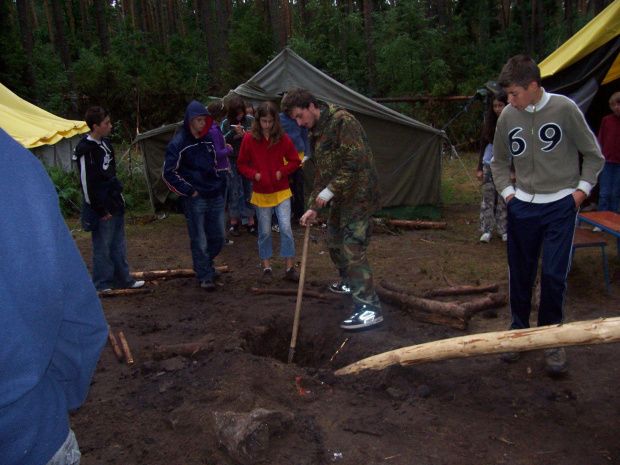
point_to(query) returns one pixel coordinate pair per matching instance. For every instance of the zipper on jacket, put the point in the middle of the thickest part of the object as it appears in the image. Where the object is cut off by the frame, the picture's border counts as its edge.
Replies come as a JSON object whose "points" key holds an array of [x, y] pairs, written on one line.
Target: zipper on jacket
{"points": [[533, 155]]}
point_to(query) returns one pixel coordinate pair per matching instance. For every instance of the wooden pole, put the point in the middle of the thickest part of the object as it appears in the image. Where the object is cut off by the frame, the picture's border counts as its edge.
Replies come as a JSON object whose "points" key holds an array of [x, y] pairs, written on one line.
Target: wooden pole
{"points": [[170, 273], [126, 351], [520, 340], [115, 346], [300, 293]]}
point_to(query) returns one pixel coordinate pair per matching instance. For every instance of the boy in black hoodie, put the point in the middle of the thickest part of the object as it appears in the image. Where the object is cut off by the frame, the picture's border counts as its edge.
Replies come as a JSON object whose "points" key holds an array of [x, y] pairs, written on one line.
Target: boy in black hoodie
{"points": [[103, 206]]}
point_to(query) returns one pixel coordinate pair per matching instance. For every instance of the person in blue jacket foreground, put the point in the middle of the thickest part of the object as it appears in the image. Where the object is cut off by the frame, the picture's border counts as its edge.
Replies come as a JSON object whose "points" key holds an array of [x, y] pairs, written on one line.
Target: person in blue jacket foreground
{"points": [[52, 327]]}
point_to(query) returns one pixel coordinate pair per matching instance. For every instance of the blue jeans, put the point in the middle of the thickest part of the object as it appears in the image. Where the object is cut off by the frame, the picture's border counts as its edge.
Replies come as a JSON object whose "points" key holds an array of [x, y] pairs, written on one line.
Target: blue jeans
{"points": [[239, 196], [287, 244], [609, 184], [206, 224], [110, 267]]}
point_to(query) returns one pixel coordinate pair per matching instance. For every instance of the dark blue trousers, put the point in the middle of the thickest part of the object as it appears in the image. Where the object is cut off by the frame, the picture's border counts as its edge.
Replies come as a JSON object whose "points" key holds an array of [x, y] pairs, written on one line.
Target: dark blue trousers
{"points": [[533, 228]]}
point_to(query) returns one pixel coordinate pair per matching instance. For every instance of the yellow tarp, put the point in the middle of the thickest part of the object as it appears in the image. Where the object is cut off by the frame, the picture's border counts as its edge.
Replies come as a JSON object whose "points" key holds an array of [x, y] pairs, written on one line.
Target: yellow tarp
{"points": [[603, 28], [32, 126]]}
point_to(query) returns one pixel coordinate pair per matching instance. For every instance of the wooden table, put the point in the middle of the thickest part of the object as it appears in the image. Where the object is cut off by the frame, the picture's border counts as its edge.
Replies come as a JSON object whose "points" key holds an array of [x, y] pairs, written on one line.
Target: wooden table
{"points": [[607, 221]]}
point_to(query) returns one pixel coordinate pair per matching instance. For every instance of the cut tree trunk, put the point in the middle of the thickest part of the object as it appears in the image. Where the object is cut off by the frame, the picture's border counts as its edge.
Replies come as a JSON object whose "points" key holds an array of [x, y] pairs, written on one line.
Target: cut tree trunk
{"points": [[170, 273], [316, 295], [519, 340], [116, 292], [184, 350], [411, 224]]}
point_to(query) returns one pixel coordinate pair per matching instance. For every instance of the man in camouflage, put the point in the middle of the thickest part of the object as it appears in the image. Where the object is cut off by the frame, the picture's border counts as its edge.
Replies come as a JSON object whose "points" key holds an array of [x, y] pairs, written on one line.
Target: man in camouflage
{"points": [[346, 179]]}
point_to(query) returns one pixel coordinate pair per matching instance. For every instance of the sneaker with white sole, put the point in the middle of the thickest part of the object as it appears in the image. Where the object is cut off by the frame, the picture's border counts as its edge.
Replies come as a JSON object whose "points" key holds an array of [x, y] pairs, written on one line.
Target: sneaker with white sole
{"points": [[486, 237], [267, 276], [365, 316], [135, 284], [275, 228], [340, 288], [207, 286]]}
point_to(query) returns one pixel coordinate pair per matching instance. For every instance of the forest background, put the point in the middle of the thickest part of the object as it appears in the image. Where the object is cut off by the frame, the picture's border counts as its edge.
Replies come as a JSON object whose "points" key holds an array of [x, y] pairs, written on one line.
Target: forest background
{"points": [[146, 59]]}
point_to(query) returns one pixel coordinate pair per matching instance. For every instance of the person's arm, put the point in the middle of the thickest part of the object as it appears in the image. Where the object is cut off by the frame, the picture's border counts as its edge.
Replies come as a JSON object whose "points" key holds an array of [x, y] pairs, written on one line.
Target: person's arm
{"points": [[501, 162], [243, 162], [91, 179], [171, 176], [291, 155]]}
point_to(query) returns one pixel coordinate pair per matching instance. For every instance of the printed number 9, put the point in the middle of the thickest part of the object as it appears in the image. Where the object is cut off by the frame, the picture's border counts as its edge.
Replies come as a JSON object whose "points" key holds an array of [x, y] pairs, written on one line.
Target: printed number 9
{"points": [[552, 134]]}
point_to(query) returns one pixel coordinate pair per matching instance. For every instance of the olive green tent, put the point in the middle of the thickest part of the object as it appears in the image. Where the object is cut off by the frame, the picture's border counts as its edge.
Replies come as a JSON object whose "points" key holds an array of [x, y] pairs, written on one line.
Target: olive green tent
{"points": [[407, 152]]}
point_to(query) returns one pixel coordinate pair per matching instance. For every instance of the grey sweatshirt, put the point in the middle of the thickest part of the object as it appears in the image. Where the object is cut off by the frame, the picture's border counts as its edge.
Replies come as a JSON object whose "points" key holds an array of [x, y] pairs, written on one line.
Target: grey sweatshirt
{"points": [[544, 141]]}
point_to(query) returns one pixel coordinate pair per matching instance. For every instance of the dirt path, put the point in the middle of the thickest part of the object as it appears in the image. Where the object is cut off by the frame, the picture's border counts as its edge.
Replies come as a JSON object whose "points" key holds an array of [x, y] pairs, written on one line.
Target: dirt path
{"points": [[466, 411]]}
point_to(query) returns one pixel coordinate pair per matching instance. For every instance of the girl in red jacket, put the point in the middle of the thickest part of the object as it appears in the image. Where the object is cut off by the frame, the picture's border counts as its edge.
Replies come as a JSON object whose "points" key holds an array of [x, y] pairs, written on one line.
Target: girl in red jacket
{"points": [[267, 157]]}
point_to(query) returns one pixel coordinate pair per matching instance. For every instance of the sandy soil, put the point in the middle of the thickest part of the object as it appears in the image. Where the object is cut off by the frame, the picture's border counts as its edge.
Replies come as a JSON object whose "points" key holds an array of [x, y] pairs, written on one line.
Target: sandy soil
{"points": [[475, 410]]}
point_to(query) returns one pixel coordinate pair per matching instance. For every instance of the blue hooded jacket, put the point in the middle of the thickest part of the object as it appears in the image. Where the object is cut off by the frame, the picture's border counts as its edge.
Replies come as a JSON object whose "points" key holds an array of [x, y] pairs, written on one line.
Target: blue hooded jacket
{"points": [[190, 164], [52, 327]]}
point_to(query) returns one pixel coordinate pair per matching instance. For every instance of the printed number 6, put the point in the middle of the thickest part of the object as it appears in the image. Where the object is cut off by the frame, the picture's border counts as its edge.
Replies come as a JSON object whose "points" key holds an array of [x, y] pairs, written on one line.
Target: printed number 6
{"points": [[551, 133], [516, 144]]}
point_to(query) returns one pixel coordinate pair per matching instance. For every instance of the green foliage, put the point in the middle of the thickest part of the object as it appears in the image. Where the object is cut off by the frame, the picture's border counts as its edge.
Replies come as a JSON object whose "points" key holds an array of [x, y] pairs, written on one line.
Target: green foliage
{"points": [[68, 189]]}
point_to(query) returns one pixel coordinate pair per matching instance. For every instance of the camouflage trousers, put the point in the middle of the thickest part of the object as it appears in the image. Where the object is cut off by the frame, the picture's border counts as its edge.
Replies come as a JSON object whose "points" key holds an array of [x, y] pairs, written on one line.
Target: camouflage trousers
{"points": [[347, 249], [493, 207]]}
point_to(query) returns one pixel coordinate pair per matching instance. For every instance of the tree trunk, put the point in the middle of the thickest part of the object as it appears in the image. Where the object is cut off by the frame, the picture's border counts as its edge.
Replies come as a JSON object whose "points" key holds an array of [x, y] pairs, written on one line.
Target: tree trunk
{"points": [[50, 24], [206, 14], [33, 15], [85, 23], [519, 340], [63, 46], [540, 28], [369, 28], [525, 28], [27, 43], [102, 26]]}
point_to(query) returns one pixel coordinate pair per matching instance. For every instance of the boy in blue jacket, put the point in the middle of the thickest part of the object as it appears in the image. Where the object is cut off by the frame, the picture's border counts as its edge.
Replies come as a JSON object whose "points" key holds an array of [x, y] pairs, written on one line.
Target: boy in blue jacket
{"points": [[190, 171], [52, 325]]}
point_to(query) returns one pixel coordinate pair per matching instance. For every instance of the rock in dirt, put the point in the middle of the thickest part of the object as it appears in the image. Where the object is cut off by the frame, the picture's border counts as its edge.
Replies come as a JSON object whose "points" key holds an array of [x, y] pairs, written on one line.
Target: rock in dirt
{"points": [[173, 364], [246, 435]]}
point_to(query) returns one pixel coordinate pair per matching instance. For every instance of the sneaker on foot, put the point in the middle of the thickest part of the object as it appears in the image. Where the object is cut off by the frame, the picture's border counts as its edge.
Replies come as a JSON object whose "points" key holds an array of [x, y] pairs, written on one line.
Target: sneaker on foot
{"points": [[228, 242], [105, 289], [135, 284], [510, 357], [252, 229], [597, 229], [555, 361], [275, 228], [291, 275], [340, 288], [486, 237], [267, 276], [505, 237], [207, 286], [234, 230], [365, 316]]}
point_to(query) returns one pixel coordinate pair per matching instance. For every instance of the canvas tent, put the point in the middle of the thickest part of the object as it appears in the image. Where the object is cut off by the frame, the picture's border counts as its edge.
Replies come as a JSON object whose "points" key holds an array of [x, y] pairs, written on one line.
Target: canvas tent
{"points": [[587, 66], [407, 152], [48, 136]]}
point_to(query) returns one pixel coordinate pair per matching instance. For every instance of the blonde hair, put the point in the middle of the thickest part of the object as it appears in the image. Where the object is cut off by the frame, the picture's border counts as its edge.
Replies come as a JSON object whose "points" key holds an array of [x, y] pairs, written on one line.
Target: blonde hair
{"points": [[614, 98]]}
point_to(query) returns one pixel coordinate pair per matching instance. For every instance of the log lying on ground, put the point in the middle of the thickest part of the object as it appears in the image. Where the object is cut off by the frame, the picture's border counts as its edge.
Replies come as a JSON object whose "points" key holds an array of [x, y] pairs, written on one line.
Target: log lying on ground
{"points": [[185, 350], [316, 295], [170, 273], [460, 290], [126, 351], [599, 331], [115, 292], [412, 224], [453, 314], [115, 346]]}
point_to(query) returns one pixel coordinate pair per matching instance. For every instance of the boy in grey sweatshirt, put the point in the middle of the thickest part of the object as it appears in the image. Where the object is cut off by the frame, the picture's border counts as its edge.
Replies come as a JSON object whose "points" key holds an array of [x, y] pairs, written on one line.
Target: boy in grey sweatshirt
{"points": [[543, 133]]}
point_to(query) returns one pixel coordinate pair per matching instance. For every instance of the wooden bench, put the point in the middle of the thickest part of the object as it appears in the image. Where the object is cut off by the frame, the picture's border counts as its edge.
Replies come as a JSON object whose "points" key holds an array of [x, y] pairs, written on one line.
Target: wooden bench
{"points": [[586, 238]]}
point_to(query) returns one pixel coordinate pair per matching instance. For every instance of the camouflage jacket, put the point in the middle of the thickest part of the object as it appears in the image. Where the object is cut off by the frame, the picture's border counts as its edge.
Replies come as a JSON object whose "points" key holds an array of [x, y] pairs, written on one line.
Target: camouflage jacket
{"points": [[345, 165]]}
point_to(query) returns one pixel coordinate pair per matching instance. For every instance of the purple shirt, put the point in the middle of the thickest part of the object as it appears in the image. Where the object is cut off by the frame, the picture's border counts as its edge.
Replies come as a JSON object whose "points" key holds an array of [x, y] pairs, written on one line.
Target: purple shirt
{"points": [[221, 151]]}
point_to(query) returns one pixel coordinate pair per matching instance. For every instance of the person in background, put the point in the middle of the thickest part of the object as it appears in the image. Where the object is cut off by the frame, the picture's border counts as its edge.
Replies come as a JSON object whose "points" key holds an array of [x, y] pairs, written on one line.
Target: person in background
{"points": [[493, 206], [234, 127], [249, 109], [346, 180], [103, 205], [53, 327], [609, 138], [190, 171], [542, 134], [217, 110], [268, 156], [299, 136]]}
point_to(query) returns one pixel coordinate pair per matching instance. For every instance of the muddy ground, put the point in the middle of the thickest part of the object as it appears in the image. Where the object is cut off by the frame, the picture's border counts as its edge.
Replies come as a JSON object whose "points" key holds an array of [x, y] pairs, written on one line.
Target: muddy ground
{"points": [[475, 410]]}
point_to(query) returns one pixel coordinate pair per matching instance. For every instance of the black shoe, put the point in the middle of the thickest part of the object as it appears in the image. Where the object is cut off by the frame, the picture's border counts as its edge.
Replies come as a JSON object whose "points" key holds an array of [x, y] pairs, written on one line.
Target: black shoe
{"points": [[364, 317], [510, 357], [234, 230], [292, 275], [555, 361], [252, 229], [340, 288], [267, 277], [207, 286]]}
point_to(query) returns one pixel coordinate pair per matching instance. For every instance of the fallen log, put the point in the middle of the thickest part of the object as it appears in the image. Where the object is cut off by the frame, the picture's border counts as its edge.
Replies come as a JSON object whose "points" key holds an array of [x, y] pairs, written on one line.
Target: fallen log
{"points": [[115, 292], [599, 331], [184, 350], [412, 224], [115, 346], [442, 292], [316, 295], [170, 273], [126, 351]]}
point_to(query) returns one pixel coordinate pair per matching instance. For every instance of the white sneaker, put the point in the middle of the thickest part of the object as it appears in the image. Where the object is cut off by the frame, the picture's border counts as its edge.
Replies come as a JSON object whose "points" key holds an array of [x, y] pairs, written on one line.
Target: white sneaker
{"points": [[135, 285], [504, 237], [486, 237], [597, 229]]}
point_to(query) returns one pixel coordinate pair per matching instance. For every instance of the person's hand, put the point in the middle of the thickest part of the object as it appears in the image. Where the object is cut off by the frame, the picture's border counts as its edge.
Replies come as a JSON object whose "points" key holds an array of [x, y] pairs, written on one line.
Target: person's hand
{"points": [[309, 215], [106, 218], [278, 175], [257, 177], [239, 129], [479, 174], [228, 146], [509, 198], [320, 202], [579, 197]]}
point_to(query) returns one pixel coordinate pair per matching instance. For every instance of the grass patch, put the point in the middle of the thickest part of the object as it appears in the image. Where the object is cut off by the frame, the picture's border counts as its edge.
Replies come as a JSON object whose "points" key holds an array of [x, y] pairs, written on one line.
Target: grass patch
{"points": [[459, 183]]}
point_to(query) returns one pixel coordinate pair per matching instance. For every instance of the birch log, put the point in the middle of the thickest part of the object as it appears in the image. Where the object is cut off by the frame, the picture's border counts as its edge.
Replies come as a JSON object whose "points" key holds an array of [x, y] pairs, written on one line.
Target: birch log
{"points": [[520, 340], [170, 273]]}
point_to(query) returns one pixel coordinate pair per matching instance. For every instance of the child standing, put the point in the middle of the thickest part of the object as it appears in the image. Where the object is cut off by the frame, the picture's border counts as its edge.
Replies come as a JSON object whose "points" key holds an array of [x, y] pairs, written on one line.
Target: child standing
{"points": [[268, 156], [493, 206], [609, 138]]}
